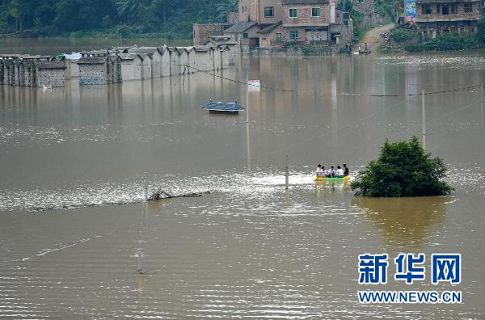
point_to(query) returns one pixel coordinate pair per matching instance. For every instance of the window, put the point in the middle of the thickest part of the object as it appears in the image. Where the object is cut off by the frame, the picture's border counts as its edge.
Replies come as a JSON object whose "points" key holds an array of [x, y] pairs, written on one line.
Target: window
{"points": [[468, 7], [315, 12], [427, 9], [278, 37], [294, 35], [445, 9], [268, 12], [293, 13], [245, 35]]}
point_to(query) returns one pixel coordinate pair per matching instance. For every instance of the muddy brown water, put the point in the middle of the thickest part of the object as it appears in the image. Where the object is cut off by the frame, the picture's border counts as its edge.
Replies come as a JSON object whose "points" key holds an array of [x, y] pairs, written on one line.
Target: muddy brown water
{"points": [[74, 164]]}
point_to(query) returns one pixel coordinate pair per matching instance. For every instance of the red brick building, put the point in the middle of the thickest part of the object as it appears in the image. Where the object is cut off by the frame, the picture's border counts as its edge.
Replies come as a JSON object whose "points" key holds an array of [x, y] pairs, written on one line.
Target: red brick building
{"points": [[203, 32], [276, 23]]}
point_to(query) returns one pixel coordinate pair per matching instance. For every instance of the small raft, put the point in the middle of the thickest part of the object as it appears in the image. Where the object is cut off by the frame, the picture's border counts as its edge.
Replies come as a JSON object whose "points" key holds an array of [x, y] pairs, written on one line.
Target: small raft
{"points": [[336, 180]]}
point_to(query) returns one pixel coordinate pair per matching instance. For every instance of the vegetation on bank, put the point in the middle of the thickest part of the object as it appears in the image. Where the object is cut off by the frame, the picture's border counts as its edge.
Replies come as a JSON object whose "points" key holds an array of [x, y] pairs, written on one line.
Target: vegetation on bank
{"points": [[409, 39], [387, 9], [357, 18], [447, 42], [403, 169], [110, 18]]}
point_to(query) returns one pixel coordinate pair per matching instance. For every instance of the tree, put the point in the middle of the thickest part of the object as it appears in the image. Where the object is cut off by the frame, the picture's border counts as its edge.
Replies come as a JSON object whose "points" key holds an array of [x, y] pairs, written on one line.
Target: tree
{"points": [[403, 169], [74, 15], [481, 31], [19, 9], [61, 17]]}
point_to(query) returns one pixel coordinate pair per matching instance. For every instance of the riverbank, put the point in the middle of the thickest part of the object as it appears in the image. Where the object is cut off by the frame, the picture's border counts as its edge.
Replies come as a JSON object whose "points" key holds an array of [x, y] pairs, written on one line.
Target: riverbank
{"points": [[409, 39], [373, 37]]}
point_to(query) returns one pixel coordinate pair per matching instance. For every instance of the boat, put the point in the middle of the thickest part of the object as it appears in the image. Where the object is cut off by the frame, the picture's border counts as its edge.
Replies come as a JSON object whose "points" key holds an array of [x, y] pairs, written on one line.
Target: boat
{"points": [[223, 107], [334, 180]]}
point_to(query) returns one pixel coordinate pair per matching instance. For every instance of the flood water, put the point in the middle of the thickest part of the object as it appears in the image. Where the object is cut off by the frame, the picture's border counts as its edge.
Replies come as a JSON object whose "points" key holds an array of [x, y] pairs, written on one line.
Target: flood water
{"points": [[54, 46], [74, 164]]}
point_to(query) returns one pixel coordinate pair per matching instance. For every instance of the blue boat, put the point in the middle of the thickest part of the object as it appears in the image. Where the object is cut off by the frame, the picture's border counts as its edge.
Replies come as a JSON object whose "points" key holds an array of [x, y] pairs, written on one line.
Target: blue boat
{"points": [[223, 107]]}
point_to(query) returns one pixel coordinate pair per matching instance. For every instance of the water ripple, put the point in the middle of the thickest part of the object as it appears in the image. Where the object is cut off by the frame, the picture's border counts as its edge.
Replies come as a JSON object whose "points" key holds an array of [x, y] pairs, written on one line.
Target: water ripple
{"points": [[261, 186]]}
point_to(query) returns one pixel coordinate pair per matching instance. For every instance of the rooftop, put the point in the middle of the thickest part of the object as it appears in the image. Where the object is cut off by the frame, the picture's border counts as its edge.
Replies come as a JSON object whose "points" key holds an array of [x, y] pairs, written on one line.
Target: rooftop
{"points": [[241, 27], [445, 1], [303, 2], [271, 27]]}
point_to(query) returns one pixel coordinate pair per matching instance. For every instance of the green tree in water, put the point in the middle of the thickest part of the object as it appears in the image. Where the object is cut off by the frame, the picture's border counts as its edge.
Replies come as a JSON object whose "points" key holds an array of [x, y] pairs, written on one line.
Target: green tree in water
{"points": [[403, 169]]}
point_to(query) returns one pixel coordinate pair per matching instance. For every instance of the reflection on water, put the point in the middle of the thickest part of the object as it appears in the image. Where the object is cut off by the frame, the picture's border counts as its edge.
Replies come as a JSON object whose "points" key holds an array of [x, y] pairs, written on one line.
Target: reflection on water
{"points": [[405, 223], [54, 46]]}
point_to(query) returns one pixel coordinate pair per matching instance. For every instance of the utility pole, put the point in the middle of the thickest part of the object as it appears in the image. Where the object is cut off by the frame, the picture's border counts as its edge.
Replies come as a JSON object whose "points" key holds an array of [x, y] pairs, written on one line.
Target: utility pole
{"points": [[423, 109], [248, 134], [287, 174]]}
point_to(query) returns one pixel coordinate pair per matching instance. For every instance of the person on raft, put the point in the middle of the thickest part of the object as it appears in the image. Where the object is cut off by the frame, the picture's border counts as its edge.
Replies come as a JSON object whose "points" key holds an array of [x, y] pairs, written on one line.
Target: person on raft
{"points": [[332, 172], [320, 171]]}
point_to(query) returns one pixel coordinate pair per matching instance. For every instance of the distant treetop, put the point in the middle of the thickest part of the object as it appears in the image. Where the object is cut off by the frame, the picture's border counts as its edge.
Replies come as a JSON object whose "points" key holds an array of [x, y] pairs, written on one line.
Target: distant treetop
{"points": [[59, 17]]}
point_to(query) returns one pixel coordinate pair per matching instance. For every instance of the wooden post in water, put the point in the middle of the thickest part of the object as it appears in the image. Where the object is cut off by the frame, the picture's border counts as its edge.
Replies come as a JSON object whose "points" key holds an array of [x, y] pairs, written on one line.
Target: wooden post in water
{"points": [[146, 193], [423, 107], [287, 174], [481, 104], [141, 225], [248, 136]]}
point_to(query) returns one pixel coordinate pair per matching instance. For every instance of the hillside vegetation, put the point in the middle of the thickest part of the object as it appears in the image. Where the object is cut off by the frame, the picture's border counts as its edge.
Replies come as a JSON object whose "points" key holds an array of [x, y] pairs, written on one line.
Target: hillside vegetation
{"points": [[110, 18]]}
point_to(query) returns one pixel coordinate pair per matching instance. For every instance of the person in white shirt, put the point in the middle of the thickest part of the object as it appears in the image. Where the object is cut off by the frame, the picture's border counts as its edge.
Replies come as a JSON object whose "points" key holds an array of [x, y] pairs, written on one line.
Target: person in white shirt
{"points": [[320, 170], [339, 172]]}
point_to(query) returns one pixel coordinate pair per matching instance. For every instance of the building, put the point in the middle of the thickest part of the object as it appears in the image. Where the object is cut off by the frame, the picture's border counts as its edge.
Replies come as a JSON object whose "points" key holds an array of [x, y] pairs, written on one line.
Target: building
{"points": [[152, 56], [131, 66], [435, 17], [46, 73], [306, 21], [245, 34], [203, 32], [277, 23], [31, 71], [99, 67], [264, 12], [202, 58]]}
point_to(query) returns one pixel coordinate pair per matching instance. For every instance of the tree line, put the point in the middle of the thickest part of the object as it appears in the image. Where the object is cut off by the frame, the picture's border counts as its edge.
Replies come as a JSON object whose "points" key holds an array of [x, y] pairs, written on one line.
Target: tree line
{"points": [[51, 17]]}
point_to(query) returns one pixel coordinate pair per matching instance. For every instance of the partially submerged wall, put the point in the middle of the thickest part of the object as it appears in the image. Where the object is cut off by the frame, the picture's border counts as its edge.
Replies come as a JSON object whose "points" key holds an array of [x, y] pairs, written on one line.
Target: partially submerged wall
{"points": [[50, 74], [32, 72], [115, 65]]}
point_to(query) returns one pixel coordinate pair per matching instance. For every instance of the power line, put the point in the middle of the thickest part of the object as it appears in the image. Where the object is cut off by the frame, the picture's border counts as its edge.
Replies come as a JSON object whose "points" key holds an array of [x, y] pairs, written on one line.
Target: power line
{"points": [[443, 91]]}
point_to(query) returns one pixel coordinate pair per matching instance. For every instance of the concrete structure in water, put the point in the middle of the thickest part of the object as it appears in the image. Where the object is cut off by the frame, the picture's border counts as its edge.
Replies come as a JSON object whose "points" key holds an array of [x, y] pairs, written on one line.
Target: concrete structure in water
{"points": [[31, 71], [115, 65], [435, 17], [99, 67]]}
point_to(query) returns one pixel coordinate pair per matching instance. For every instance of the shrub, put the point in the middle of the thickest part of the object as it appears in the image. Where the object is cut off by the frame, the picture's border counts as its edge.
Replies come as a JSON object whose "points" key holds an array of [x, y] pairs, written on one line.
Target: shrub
{"points": [[403, 169], [448, 41], [481, 31], [403, 35]]}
